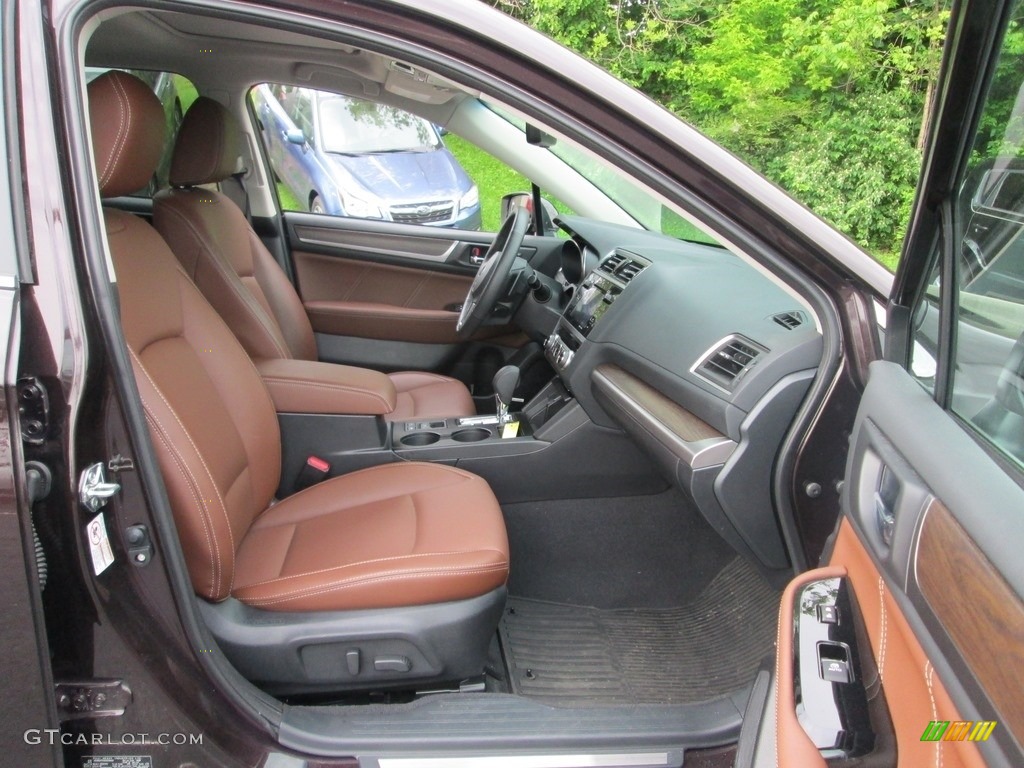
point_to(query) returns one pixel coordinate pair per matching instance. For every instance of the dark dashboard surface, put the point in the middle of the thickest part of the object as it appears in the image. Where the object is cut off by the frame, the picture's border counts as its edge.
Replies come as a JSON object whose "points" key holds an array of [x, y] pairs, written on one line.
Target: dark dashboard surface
{"points": [[690, 307]]}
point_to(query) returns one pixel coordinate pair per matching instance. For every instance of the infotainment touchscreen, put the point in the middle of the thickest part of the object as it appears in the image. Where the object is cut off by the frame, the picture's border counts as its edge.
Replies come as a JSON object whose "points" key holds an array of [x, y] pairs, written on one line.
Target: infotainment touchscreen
{"points": [[590, 302]]}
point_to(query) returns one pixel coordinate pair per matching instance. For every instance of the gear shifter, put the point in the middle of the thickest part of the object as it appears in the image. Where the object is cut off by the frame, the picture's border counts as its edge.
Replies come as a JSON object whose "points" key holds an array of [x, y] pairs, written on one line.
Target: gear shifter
{"points": [[505, 382]]}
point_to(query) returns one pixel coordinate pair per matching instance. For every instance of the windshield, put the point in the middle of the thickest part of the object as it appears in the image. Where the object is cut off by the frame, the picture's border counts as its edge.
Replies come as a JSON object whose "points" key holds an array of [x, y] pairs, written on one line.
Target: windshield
{"points": [[644, 208], [355, 127]]}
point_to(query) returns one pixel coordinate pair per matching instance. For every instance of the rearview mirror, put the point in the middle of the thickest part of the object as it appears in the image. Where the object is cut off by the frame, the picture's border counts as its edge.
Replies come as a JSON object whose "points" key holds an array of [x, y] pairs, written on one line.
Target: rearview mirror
{"points": [[537, 137]]}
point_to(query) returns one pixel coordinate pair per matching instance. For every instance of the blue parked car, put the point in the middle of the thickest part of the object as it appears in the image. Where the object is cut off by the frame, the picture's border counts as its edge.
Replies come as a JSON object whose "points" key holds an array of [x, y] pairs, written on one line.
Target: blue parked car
{"points": [[348, 157]]}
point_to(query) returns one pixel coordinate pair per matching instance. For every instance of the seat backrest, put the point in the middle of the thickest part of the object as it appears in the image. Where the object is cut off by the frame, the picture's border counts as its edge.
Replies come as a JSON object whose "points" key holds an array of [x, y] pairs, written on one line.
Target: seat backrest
{"points": [[213, 424], [218, 248]]}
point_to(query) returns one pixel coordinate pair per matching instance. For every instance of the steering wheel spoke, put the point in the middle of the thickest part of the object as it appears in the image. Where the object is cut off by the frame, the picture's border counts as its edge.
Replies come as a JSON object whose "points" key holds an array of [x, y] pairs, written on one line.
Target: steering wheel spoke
{"points": [[491, 278]]}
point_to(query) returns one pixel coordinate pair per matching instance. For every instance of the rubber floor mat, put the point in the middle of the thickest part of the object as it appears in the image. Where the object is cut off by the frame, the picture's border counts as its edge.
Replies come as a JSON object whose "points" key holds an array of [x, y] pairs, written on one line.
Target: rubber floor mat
{"points": [[571, 655]]}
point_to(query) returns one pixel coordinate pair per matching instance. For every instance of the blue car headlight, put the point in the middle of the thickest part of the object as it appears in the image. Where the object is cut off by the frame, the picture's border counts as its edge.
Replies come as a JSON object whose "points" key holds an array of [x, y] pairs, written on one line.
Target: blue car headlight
{"points": [[470, 199], [359, 207]]}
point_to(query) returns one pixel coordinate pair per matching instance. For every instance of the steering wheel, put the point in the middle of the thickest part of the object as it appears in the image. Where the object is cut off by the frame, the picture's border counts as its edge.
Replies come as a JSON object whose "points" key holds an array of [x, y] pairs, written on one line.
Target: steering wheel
{"points": [[493, 273]]}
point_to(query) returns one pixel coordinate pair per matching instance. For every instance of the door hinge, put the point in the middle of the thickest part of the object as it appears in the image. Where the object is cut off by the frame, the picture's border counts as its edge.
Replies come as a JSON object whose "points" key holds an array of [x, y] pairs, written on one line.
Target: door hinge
{"points": [[91, 698], [33, 410], [93, 489]]}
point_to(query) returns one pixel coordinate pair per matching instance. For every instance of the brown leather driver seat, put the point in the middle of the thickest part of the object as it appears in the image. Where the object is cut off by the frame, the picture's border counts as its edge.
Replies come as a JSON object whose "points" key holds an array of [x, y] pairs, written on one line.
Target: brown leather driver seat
{"points": [[380, 577], [229, 263]]}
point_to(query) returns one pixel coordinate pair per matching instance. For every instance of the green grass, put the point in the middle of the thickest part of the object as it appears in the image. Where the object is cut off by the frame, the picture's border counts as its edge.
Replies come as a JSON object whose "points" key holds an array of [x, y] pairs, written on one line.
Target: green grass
{"points": [[676, 226], [889, 259], [288, 201], [493, 178], [187, 92]]}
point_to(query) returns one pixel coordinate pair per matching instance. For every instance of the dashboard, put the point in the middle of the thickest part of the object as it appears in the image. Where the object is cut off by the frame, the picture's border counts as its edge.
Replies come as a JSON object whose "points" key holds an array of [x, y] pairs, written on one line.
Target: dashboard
{"points": [[700, 357]]}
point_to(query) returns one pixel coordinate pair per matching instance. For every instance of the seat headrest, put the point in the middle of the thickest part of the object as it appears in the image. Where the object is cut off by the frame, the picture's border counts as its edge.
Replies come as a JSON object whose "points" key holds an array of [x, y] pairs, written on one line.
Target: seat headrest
{"points": [[128, 131], [208, 146]]}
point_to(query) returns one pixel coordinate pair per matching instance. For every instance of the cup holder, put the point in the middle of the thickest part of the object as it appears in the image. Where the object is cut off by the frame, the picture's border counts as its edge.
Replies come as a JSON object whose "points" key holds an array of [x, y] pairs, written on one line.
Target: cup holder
{"points": [[471, 435], [420, 438]]}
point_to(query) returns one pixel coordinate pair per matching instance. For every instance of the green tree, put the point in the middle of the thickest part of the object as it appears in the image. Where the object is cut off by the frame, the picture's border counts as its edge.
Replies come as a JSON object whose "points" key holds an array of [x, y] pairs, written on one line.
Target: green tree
{"points": [[829, 98]]}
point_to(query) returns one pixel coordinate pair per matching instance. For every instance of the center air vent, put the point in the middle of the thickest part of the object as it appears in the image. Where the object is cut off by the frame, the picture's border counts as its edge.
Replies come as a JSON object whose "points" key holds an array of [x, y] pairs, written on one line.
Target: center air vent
{"points": [[629, 270], [623, 266], [728, 362], [613, 262], [789, 320]]}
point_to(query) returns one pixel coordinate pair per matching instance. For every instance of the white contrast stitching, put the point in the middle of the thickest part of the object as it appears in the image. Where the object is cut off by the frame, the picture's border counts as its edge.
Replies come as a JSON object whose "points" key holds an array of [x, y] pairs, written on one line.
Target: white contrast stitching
{"points": [[209, 474], [121, 137], [205, 518], [883, 616], [241, 292], [353, 565], [330, 386], [778, 672], [928, 669], [362, 581]]}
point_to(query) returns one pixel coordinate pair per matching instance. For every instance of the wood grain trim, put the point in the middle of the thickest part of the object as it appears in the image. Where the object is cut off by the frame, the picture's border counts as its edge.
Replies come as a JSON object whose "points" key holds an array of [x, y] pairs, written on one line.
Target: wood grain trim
{"points": [[683, 423], [980, 611]]}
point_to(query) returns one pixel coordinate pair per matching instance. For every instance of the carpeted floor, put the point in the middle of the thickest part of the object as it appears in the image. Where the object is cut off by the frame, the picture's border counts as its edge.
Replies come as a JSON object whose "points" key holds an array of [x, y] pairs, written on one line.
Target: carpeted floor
{"points": [[571, 655], [629, 601]]}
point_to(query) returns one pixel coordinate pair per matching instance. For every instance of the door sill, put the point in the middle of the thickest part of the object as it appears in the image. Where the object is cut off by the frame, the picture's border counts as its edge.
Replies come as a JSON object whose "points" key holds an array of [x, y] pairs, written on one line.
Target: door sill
{"points": [[489, 725]]}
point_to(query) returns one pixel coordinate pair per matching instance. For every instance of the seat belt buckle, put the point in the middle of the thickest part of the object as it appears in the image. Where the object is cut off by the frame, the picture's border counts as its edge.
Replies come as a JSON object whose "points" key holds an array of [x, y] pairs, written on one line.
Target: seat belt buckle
{"points": [[314, 471]]}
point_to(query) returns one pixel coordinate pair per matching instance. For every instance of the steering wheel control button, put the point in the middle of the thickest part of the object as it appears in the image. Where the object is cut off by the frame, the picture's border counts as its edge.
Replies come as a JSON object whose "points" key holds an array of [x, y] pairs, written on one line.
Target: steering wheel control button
{"points": [[392, 664], [828, 614]]}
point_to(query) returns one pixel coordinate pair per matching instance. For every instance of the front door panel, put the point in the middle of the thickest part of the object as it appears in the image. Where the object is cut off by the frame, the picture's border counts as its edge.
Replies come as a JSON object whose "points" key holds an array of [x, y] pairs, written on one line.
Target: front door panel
{"points": [[931, 539], [387, 295]]}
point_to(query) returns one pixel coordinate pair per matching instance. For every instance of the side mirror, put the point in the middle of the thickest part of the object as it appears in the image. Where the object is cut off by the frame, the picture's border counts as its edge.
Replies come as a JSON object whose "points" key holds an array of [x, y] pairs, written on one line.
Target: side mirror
{"points": [[295, 136], [513, 200], [525, 199]]}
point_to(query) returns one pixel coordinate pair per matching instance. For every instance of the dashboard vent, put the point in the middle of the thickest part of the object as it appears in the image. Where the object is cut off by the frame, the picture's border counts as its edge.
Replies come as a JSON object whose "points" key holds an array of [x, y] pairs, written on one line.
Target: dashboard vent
{"points": [[613, 262], [789, 320], [629, 270], [623, 266], [727, 364]]}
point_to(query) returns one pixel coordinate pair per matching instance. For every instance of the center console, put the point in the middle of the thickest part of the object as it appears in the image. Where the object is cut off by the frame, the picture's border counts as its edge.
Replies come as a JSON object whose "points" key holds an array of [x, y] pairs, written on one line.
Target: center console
{"points": [[535, 454], [589, 304]]}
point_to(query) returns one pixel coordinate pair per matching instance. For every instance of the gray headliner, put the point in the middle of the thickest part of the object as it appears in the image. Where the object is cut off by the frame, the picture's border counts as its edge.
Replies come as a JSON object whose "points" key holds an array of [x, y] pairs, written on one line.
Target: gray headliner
{"points": [[243, 54]]}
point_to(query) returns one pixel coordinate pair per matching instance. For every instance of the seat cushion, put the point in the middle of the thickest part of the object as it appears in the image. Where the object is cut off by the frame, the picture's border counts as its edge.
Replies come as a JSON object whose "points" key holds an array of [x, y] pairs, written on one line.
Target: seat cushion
{"points": [[429, 396], [399, 534]]}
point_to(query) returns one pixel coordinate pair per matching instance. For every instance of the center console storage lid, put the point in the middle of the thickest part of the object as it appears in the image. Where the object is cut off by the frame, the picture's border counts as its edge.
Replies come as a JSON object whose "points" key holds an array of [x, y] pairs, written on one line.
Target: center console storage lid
{"points": [[304, 386]]}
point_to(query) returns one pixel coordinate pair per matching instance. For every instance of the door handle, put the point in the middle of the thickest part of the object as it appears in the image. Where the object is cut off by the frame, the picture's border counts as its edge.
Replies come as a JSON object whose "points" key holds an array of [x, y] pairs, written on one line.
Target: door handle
{"points": [[885, 518], [886, 495]]}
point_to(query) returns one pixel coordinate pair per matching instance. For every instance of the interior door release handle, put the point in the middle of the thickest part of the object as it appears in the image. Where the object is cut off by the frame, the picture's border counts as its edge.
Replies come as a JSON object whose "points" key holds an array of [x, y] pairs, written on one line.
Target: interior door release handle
{"points": [[885, 518], [887, 496]]}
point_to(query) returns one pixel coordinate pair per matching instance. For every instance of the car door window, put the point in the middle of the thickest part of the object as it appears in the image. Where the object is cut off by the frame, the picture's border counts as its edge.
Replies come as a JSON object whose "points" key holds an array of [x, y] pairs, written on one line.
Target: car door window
{"points": [[343, 156], [986, 361]]}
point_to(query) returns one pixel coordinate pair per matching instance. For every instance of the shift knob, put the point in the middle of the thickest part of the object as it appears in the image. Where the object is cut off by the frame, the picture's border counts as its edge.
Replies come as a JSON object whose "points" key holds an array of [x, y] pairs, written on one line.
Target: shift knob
{"points": [[505, 382]]}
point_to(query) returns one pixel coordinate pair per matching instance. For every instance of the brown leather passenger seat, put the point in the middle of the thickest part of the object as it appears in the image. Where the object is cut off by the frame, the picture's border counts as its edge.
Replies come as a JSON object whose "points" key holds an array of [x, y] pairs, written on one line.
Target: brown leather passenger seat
{"points": [[377, 577], [229, 263]]}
